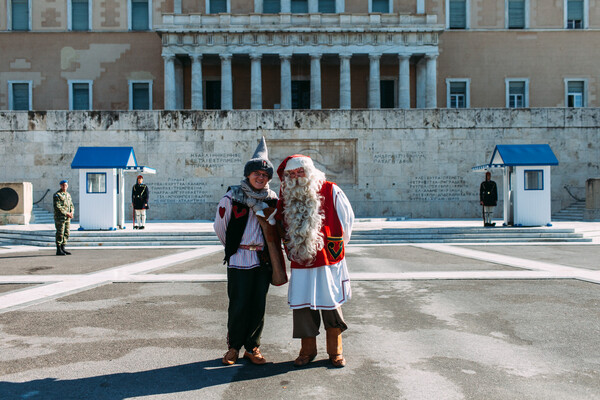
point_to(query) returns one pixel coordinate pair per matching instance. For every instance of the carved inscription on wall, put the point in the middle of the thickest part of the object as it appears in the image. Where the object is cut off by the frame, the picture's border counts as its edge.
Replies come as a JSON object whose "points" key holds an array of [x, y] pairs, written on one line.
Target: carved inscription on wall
{"points": [[212, 160], [337, 158], [178, 190], [399, 157], [441, 188]]}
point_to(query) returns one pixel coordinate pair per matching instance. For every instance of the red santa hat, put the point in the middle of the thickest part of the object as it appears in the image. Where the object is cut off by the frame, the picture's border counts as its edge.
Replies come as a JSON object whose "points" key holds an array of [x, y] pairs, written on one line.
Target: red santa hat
{"points": [[294, 162]]}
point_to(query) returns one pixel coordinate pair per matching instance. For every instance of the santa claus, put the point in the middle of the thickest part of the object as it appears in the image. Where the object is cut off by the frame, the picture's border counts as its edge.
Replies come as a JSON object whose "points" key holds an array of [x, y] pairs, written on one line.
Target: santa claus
{"points": [[317, 222]]}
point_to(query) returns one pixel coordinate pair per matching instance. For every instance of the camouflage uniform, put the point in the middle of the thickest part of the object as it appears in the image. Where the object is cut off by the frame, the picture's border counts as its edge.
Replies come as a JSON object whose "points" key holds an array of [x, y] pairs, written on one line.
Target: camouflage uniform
{"points": [[62, 205]]}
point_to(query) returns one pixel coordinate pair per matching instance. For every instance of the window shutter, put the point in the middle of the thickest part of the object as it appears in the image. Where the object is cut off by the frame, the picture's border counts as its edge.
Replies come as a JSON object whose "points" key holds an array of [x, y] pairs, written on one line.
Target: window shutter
{"points": [[139, 15], [458, 88], [575, 10], [81, 96], [20, 15], [299, 6], [271, 6], [576, 87], [218, 6], [458, 14], [516, 14], [516, 88], [20, 96], [140, 96], [80, 15], [380, 6], [327, 6]]}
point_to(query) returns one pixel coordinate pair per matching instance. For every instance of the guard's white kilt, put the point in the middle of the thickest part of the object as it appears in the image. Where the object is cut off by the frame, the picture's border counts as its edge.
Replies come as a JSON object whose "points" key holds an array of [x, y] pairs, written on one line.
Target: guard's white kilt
{"points": [[322, 288]]}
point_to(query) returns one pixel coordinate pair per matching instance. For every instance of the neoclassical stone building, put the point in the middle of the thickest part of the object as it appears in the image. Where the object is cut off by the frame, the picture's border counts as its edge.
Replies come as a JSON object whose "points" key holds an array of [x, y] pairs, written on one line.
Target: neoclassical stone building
{"points": [[297, 54]]}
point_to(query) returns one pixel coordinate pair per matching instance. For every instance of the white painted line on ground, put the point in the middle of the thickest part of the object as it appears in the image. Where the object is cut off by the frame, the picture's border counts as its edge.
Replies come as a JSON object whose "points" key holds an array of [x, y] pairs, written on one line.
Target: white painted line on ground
{"points": [[499, 258], [76, 283]]}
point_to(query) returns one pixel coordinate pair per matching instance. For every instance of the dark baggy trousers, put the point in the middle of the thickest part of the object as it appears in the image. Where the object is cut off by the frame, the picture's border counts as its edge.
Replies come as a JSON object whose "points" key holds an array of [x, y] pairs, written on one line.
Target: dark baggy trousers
{"points": [[307, 321], [247, 290]]}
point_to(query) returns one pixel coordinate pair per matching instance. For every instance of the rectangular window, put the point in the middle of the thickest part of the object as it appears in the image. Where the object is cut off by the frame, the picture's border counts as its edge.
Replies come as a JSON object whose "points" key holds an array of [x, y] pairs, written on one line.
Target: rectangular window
{"points": [[80, 95], [20, 15], [80, 15], [534, 180], [218, 6], [457, 94], [516, 14], [300, 95], [517, 94], [327, 6], [140, 15], [19, 96], [299, 6], [212, 95], [387, 90], [380, 6], [271, 6], [96, 182], [457, 14], [575, 94], [140, 95], [574, 14]]}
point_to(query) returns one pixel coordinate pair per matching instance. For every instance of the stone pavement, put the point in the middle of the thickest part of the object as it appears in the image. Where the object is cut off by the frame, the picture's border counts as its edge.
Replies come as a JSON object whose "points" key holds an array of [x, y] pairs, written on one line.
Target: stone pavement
{"points": [[427, 321]]}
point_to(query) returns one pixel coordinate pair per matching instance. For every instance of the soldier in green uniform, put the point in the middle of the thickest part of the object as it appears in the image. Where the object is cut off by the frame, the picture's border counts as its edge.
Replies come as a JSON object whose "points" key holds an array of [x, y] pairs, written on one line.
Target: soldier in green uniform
{"points": [[63, 213]]}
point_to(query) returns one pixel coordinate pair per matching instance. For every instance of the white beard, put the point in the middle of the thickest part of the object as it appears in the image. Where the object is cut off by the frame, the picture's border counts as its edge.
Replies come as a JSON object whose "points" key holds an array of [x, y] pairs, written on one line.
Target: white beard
{"points": [[303, 217]]}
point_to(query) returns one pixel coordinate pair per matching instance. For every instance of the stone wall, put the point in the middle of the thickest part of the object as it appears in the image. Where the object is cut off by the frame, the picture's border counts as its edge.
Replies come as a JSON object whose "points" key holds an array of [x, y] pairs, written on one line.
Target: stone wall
{"points": [[392, 163]]}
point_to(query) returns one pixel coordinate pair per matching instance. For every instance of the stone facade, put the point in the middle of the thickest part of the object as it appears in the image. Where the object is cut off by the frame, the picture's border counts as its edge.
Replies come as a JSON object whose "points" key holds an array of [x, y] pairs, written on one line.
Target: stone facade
{"points": [[391, 163]]}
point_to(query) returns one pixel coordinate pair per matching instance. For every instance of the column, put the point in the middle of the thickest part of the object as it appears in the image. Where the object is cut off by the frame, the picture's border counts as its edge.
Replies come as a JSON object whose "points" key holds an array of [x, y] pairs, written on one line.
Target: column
{"points": [[313, 6], [431, 96], [374, 81], [345, 85], [286, 6], [421, 78], [315, 81], [420, 6], [258, 6], [286, 82], [339, 6], [196, 81], [404, 81], [169, 81], [226, 83], [177, 7], [256, 82]]}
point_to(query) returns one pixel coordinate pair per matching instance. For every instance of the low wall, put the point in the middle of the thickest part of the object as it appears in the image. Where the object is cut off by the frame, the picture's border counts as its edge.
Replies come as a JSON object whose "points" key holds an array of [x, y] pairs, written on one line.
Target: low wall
{"points": [[391, 163]]}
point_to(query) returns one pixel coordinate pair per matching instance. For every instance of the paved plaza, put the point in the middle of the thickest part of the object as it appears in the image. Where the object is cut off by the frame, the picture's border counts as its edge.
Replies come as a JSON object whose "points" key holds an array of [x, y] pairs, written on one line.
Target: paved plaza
{"points": [[426, 321]]}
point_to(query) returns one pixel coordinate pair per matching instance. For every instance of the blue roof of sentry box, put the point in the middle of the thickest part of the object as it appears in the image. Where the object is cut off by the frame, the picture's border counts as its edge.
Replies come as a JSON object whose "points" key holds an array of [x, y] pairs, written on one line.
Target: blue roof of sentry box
{"points": [[104, 157], [520, 154], [523, 154]]}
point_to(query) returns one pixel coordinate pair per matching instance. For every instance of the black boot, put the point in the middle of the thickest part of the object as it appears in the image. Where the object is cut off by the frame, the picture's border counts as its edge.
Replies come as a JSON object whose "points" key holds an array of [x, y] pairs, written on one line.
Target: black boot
{"points": [[62, 247], [59, 251]]}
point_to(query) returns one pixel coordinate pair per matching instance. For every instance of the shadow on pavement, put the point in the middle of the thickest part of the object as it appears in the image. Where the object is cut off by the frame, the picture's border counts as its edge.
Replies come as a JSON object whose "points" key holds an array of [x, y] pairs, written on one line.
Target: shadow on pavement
{"points": [[174, 379]]}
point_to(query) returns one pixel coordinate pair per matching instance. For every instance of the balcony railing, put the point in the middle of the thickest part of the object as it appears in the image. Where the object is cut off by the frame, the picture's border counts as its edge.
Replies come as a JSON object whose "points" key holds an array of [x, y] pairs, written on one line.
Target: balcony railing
{"points": [[187, 22]]}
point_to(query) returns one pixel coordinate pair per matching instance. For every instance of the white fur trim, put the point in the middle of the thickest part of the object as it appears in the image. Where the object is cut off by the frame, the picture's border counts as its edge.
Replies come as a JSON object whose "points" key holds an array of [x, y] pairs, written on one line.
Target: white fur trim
{"points": [[298, 162]]}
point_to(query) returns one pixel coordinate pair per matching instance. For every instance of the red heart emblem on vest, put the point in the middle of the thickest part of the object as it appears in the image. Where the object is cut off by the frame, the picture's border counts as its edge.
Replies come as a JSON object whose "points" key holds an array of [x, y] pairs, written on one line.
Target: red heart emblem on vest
{"points": [[222, 211], [239, 214]]}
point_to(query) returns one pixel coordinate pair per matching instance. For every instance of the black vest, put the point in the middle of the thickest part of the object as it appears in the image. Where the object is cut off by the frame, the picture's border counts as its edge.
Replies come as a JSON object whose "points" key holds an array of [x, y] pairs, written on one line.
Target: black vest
{"points": [[237, 226]]}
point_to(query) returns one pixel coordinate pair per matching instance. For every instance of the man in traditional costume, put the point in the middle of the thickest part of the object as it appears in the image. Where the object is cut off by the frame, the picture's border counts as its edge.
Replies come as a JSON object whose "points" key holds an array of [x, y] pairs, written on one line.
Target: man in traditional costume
{"points": [[317, 222], [488, 198], [249, 270], [139, 199]]}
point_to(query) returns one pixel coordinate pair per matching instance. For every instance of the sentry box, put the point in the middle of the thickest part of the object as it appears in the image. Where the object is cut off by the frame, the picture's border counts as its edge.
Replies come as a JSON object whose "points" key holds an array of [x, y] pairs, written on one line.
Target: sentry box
{"points": [[526, 176], [102, 185]]}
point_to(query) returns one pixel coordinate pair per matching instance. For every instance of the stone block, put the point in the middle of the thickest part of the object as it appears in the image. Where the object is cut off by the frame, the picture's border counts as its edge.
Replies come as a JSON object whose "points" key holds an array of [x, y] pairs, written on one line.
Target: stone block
{"points": [[520, 118], [16, 203], [556, 117]]}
